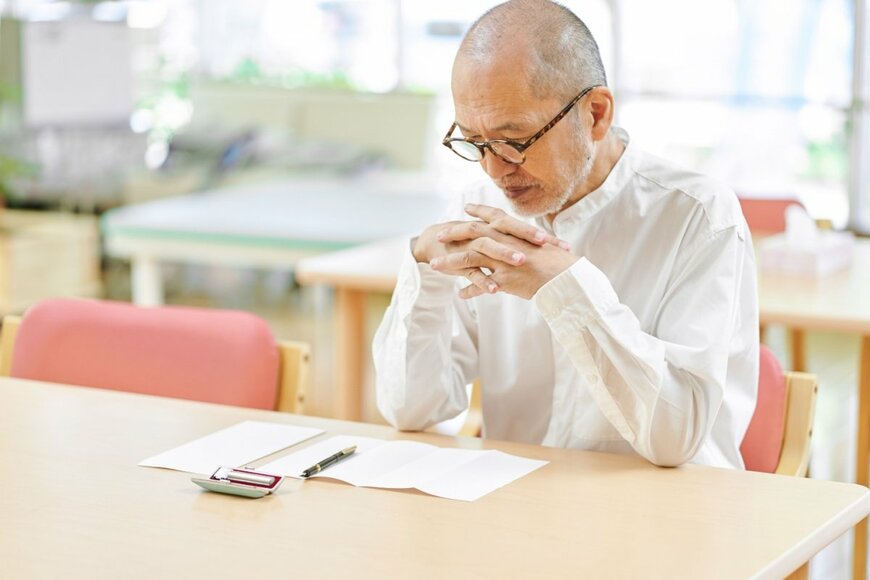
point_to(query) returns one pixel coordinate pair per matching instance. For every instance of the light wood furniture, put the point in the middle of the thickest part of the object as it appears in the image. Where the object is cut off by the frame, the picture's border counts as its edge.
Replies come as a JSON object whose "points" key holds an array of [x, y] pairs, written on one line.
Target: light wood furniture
{"points": [[266, 225], [8, 333], [837, 303], [45, 254], [473, 425], [75, 505], [293, 375], [354, 273], [293, 371], [800, 409]]}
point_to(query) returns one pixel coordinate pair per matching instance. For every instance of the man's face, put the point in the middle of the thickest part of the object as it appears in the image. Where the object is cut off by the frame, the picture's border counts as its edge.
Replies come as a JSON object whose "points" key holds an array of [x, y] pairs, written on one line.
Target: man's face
{"points": [[492, 104]]}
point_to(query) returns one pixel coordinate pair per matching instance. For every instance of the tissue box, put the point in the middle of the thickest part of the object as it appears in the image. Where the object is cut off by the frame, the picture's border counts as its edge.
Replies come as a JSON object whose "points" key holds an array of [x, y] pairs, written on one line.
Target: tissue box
{"points": [[829, 252]]}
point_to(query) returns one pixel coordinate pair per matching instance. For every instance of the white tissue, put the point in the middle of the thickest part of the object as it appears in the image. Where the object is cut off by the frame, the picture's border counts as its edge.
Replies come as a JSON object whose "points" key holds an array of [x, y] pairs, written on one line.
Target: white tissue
{"points": [[800, 229]]}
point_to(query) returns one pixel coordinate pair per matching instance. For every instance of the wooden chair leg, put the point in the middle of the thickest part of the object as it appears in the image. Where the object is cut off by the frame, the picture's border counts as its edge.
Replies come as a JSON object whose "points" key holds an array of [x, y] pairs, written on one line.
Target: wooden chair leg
{"points": [[859, 556], [862, 463], [798, 354], [802, 573], [350, 353]]}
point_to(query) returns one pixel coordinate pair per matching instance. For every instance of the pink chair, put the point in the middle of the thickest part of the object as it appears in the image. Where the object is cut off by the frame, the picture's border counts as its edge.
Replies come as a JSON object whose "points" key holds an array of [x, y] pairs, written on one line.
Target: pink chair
{"points": [[766, 216], [217, 356], [778, 438]]}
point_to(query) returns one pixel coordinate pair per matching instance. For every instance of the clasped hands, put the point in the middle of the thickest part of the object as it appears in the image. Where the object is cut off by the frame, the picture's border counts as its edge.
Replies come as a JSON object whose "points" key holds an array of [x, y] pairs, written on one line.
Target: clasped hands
{"points": [[496, 253]]}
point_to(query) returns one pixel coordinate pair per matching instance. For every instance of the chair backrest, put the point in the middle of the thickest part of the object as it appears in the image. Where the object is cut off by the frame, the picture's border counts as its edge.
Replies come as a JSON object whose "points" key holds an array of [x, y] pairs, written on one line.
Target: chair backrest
{"points": [[763, 440], [766, 215], [218, 356], [779, 434]]}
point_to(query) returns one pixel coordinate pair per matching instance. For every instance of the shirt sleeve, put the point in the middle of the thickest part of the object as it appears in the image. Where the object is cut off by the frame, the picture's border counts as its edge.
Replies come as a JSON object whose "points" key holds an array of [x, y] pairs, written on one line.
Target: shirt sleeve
{"points": [[661, 389], [425, 349]]}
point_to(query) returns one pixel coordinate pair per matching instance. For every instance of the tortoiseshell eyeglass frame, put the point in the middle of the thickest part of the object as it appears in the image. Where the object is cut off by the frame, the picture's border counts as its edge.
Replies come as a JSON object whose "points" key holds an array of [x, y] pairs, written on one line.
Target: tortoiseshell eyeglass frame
{"points": [[519, 146]]}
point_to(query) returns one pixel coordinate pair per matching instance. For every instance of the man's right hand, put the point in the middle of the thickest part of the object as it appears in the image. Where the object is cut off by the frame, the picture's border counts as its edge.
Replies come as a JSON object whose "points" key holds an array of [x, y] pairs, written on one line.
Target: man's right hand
{"points": [[482, 246]]}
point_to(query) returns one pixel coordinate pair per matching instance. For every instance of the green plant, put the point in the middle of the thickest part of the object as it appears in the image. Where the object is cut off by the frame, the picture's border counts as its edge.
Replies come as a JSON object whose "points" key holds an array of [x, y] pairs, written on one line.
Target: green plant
{"points": [[828, 160], [11, 168], [249, 72]]}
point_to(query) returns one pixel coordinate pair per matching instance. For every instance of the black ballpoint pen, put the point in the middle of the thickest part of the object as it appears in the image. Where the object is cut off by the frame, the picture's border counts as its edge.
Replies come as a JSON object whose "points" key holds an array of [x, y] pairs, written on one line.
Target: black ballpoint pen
{"points": [[318, 467]]}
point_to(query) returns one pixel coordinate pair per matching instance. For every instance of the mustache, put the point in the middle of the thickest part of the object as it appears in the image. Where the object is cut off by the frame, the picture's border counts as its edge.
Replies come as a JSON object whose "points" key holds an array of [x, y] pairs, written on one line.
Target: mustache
{"points": [[511, 184]]}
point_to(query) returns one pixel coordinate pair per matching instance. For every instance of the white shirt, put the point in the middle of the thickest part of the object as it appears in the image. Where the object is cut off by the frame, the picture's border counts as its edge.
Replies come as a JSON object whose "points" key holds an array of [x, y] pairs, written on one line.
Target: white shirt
{"points": [[648, 344]]}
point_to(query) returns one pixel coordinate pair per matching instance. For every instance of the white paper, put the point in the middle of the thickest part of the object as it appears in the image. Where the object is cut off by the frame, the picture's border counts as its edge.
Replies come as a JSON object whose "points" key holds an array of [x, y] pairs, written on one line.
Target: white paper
{"points": [[234, 446], [426, 468], [475, 479], [462, 474], [373, 464]]}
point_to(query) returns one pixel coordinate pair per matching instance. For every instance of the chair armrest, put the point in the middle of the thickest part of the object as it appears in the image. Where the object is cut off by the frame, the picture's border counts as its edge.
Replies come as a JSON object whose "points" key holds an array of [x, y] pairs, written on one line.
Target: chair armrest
{"points": [[801, 389], [294, 372], [7, 342]]}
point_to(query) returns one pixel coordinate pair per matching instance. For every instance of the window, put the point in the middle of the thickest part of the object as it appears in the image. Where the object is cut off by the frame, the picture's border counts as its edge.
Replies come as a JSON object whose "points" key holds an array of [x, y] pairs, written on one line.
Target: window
{"points": [[763, 95], [754, 93]]}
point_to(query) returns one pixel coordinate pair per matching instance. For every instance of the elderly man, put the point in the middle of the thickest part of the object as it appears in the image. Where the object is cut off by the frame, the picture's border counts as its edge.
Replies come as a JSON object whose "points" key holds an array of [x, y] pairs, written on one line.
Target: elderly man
{"points": [[605, 298]]}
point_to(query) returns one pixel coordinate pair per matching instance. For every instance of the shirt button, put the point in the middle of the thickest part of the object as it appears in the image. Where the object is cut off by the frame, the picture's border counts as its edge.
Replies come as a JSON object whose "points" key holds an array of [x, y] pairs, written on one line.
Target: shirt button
{"points": [[592, 378]]}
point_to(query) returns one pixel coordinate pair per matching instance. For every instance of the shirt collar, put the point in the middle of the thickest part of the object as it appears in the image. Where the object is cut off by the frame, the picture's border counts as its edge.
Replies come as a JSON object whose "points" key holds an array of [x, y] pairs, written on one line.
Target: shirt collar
{"points": [[592, 202]]}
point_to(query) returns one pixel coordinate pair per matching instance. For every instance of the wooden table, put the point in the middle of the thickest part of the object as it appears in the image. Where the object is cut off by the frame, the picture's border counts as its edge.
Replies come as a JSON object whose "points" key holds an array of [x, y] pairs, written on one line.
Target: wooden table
{"points": [[838, 302], [75, 505]]}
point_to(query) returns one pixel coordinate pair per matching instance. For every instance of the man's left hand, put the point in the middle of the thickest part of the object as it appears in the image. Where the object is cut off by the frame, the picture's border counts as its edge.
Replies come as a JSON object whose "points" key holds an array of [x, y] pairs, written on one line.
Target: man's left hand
{"points": [[542, 263]]}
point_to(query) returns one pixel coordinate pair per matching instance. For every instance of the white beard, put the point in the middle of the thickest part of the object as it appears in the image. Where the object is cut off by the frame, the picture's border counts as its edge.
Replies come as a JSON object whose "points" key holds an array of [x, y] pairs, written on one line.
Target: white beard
{"points": [[571, 175]]}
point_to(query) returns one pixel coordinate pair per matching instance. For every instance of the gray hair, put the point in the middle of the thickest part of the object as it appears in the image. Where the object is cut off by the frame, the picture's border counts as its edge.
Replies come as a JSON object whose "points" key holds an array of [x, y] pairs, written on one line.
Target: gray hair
{"points": [[564, 55]]}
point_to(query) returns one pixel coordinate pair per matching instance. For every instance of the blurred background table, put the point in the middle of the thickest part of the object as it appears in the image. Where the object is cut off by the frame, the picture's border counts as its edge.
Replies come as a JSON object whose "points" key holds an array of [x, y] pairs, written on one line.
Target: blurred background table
{"points": [[839, 302], [269, 225], [354, 273]]}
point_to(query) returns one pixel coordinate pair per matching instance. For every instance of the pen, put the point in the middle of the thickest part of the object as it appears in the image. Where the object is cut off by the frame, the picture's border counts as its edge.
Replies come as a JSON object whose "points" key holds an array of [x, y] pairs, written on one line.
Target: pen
{"points": [[318, 467]]}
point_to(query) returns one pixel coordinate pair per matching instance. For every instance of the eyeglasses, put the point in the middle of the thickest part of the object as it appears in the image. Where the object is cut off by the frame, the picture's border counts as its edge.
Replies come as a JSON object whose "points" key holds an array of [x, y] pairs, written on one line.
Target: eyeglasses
{"points": [[513, 152]]}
